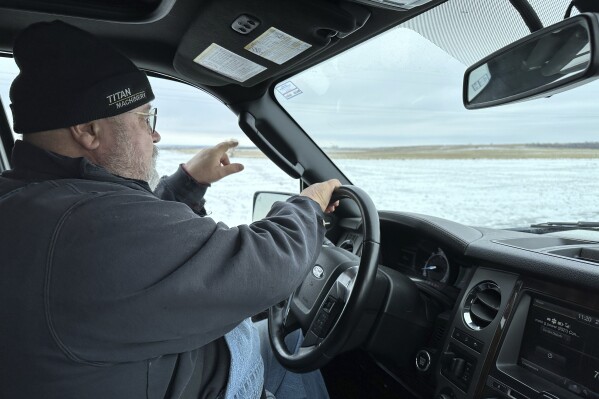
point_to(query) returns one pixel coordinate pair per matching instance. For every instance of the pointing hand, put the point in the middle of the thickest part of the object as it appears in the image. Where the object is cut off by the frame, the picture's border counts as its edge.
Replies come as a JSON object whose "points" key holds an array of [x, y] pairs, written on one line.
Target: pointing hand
{"points": [[212, 164]]}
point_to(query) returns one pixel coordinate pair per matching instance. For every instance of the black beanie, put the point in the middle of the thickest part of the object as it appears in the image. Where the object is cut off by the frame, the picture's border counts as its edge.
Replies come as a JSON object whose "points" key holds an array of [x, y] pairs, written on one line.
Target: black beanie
{"points": [[68, 76]]}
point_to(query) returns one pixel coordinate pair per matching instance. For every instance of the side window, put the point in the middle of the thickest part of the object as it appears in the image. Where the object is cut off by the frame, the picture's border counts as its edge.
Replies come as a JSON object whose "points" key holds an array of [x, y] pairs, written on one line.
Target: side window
{"points": [[189, 120]]}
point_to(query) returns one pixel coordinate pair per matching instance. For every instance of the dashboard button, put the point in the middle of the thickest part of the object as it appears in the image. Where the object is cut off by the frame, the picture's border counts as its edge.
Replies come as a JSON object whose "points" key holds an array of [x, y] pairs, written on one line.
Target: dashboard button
{"points": [[573, 387], [516, 395], [499, 386], [546, 395], [457, 367], [468, 340], [493, 383], [457, 334], [476, 345]]}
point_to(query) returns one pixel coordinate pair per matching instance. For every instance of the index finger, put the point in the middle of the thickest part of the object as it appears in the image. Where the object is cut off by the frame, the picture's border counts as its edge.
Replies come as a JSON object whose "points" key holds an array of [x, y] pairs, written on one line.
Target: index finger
{"points": [[226, 145]]}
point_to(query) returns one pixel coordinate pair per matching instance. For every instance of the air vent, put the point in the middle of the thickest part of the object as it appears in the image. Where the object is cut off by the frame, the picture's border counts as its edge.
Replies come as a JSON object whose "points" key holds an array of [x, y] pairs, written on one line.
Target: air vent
{"points": [[441, 324], [482, 305]]}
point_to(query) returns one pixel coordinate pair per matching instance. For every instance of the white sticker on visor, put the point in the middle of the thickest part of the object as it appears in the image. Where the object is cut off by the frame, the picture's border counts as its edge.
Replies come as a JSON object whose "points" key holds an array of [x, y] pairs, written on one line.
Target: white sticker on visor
{"points": [[277, 46], [227, 63]]}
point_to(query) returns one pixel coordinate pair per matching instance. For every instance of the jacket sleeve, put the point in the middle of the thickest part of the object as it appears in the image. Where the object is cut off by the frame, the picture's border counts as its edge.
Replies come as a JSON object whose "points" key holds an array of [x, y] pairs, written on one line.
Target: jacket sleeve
{"points": [[181, 187], [134, 277]]}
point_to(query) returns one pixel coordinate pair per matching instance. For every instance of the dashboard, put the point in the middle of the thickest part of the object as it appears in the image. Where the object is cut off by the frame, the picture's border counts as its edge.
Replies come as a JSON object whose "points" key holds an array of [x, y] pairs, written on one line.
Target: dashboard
{"points": [[517, 313]]}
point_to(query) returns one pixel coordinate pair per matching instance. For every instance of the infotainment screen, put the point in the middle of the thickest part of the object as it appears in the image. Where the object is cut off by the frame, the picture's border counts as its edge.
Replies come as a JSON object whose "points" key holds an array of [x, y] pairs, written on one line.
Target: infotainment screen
{"points": [[562, 345]]}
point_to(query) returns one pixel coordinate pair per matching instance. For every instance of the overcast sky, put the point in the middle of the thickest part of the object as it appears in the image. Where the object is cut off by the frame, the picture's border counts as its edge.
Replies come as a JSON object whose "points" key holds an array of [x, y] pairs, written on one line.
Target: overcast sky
{"points": [[396, 90], [402, 90]]}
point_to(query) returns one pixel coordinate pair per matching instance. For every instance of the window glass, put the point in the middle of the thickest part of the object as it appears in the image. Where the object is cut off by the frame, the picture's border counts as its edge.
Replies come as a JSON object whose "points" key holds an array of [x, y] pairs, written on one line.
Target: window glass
{"points": [[188, 120]]}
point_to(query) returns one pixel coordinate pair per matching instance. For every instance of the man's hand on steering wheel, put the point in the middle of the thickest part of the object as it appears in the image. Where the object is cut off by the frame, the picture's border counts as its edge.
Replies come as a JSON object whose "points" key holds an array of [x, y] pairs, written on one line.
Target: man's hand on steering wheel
{"points": [[321, 193]]}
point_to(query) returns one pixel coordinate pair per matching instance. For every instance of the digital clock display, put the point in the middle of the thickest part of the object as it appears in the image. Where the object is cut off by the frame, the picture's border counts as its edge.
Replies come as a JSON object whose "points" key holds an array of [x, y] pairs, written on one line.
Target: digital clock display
{"points": [[585, 318]]}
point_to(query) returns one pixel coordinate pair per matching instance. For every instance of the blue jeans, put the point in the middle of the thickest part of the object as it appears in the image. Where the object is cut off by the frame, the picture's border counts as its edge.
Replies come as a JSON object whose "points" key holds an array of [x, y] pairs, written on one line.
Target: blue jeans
{"points": [[284, 384], [253, 365]]}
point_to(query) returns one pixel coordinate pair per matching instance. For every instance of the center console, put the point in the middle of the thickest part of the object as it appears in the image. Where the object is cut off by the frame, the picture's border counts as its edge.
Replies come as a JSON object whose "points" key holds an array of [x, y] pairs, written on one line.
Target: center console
{"points": [[473, 333], [551, 350], [520, 338]]}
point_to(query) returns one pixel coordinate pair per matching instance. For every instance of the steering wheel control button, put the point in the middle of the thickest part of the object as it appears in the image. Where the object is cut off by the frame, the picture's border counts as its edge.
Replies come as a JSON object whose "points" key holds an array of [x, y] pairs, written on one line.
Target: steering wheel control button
{"points": [[326, 317], [318, 272], [328, 304], [320, 324], [423, 360]]}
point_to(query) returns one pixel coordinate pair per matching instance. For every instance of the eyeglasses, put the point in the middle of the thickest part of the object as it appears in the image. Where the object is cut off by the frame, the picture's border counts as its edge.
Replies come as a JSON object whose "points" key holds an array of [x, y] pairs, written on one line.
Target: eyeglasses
{"points": [[150, 118]]}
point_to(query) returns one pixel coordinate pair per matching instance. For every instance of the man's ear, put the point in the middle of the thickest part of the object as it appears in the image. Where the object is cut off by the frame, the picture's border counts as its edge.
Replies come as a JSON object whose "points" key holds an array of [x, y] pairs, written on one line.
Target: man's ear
{"points": [[87, 135]]}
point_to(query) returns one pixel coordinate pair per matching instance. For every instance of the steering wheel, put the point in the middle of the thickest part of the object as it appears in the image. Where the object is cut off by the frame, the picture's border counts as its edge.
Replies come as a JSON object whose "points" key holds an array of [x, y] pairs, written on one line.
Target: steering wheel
{"points": [[328, 304]]}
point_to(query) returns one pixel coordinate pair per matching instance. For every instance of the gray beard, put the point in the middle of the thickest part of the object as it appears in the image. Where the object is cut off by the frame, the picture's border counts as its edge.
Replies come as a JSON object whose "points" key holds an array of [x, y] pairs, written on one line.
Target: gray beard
{"points": [[126, 161], [154, 176]]}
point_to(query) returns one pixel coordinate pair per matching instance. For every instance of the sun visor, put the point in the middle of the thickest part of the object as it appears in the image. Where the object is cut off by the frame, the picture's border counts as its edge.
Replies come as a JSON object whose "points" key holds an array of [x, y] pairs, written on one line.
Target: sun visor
{"points": [[225, 46]]}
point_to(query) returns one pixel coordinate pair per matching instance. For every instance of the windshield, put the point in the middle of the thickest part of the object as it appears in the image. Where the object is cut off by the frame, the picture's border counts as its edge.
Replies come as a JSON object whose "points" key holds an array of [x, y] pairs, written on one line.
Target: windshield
{"points": [[389, 113]]}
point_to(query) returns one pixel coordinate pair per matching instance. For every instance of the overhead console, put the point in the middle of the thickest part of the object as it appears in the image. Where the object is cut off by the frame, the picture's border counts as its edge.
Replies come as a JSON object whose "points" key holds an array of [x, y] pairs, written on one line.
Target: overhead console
{"points": [[225, 46]]}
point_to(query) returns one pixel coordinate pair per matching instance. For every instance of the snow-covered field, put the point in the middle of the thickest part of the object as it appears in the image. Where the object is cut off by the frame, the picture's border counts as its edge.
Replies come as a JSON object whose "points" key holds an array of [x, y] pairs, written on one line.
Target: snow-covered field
{"points": [[230, 200], [492, 193]]}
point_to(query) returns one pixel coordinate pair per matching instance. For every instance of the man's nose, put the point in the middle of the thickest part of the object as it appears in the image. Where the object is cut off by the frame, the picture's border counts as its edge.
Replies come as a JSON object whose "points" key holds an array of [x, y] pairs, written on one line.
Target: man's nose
{"points": [[156, 136]]}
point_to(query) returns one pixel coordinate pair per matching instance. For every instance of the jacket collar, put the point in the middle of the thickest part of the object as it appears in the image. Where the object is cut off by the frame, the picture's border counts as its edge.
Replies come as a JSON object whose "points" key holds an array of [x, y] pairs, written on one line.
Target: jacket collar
{"points": [[32, 163]]}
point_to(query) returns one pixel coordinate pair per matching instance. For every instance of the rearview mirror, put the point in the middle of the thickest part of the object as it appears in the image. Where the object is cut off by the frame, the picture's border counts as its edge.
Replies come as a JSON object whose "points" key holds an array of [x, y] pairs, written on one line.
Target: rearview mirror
{"points": [[263, 201], [553, 59]]}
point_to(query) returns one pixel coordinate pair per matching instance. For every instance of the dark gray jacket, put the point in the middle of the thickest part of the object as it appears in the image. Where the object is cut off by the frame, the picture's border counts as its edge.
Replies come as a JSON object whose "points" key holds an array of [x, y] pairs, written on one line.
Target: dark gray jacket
{"points": [[107, 291]]}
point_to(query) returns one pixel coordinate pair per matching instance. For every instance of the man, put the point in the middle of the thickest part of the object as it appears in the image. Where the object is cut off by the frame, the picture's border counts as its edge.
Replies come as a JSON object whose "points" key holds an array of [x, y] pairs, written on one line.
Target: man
{"points": [[107, 291]]}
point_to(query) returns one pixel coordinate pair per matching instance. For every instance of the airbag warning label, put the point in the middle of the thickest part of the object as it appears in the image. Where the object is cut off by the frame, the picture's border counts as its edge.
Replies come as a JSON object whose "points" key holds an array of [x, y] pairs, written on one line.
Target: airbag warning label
{"points": [[227, 63], [277, 46]]}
